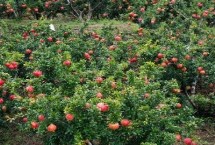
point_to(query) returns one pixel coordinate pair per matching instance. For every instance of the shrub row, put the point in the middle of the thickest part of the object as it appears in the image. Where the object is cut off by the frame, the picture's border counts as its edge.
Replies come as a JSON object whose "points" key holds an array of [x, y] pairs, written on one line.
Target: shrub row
{"points": [[103, 87], [145, 12]]}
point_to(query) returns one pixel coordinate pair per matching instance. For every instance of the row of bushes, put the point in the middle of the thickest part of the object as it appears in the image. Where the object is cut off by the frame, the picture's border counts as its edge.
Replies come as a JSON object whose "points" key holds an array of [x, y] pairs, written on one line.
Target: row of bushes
{"points": [[146, 12], [81, 9]]}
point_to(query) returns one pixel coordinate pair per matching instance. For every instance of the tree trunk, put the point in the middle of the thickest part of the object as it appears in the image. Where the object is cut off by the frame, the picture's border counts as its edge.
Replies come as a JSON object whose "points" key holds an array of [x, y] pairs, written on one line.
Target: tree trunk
{"points": [[89, 15], [81, 16], [18, 10]]}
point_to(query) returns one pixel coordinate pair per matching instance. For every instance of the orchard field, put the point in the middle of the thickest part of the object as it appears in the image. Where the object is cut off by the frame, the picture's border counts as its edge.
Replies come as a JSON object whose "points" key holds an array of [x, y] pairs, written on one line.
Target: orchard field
{"points": [[107, 72]]}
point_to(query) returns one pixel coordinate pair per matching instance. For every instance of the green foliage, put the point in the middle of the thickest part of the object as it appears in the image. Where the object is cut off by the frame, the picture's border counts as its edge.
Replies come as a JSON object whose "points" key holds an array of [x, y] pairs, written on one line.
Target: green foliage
{"points": [[205, 104], [102, 77], [141, 95]]}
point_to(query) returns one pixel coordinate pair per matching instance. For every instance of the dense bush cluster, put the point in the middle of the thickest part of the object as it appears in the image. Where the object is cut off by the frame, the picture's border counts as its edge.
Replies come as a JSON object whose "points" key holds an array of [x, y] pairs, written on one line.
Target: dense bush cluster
{"points": [[145, 12], [109, 86], [80, 9], [98, 86]]}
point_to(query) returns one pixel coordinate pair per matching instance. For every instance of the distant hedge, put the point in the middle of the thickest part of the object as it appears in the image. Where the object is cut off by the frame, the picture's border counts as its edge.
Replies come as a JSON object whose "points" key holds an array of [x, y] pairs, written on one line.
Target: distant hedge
{"points": [[140, 11]]}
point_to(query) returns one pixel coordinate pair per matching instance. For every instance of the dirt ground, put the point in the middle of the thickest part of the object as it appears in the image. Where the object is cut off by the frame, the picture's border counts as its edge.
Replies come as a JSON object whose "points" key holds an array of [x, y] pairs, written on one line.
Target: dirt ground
{"points": [[207, 133], [10, 135]]}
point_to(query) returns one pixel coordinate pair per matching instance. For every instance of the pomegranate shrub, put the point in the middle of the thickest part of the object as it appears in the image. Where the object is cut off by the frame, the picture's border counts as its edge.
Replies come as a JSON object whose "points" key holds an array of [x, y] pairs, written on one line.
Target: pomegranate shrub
{"points": [[91, 87], [111, 86], [149, 13]]}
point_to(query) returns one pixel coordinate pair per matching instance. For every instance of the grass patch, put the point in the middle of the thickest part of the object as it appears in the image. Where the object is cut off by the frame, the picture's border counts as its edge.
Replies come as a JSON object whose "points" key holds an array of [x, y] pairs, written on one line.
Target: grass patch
{"points": [[73, 25]]}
